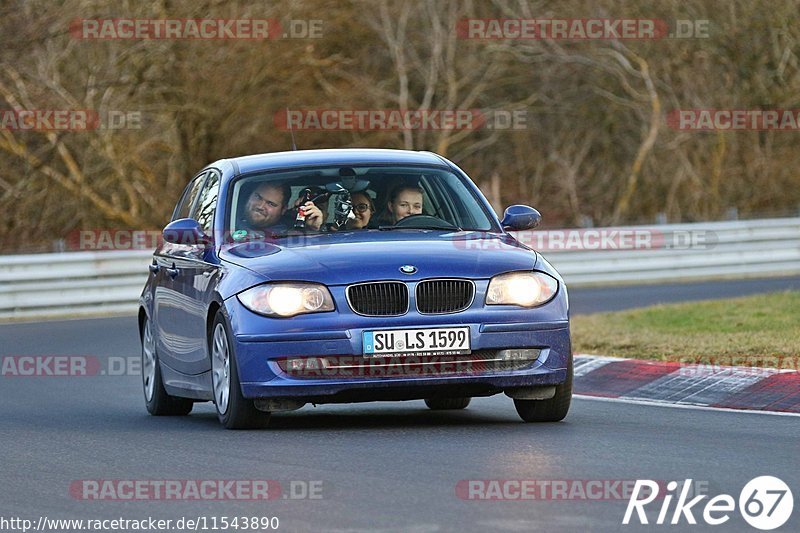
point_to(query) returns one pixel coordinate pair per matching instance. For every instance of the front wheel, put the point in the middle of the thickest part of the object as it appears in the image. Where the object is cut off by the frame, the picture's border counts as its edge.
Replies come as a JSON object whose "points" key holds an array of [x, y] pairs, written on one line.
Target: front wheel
{"points": [[552, 410], [156, 399], [233, 410]]}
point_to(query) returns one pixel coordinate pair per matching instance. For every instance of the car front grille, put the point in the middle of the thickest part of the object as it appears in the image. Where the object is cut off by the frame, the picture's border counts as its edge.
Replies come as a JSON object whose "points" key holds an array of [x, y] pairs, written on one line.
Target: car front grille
{"points": [[385, 298], [390, 298], [440, 296]]}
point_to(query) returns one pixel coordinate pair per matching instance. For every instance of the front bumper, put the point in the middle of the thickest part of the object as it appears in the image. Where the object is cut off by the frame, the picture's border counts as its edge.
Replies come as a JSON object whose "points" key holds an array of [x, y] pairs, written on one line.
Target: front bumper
{"points": [[261, 374], [261, 343]]}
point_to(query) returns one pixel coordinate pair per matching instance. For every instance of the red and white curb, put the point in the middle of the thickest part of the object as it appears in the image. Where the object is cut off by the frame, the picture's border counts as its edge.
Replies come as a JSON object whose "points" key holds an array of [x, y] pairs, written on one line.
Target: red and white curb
{"points": [[766, 390]]}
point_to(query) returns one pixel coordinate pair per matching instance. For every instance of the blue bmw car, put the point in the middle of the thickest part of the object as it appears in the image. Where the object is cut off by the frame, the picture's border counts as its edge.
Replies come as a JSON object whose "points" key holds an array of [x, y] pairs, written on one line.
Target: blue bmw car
{"points": [[352, 275]]}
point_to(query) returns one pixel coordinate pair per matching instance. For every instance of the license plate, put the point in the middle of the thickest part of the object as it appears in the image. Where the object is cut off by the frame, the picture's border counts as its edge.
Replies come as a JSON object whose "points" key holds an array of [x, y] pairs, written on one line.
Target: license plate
{"points": [[411, 342]]}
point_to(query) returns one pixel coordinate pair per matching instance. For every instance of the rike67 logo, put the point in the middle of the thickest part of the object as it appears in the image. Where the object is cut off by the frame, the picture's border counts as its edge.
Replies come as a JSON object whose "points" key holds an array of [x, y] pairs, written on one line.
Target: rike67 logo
{"points": [[765, 503]]}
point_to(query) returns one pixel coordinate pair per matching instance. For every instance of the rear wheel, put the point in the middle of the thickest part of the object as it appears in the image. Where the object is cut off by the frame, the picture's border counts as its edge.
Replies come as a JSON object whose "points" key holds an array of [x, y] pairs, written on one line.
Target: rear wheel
{"points": [[552, 410], [233, 409], [445, 404], [158, 402]]}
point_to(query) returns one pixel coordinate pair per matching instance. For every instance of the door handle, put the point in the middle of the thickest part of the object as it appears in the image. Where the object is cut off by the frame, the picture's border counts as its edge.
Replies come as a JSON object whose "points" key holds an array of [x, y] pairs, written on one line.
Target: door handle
{"points": [[173, 271], [153, 267]]}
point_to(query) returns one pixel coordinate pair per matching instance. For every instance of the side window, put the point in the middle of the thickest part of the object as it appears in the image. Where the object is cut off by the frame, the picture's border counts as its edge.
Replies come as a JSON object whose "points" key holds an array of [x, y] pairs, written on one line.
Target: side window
{"points": [[207, 204], [184, 207]]}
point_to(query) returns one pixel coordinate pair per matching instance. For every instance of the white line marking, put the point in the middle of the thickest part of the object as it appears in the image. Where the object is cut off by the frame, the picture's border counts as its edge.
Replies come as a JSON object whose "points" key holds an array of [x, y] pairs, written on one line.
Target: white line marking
{"points": [[697, 389], [653, 403], [584, 364]]}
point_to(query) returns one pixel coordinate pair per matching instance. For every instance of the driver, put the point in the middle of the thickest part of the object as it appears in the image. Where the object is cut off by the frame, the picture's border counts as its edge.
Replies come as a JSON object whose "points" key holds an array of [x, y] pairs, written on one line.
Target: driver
{"points": [[267, 204], [404, 200]]}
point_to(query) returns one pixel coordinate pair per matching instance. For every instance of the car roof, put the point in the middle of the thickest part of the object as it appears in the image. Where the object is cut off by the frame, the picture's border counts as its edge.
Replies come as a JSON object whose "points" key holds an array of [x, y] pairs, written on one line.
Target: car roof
{"points": [[339, 156]]}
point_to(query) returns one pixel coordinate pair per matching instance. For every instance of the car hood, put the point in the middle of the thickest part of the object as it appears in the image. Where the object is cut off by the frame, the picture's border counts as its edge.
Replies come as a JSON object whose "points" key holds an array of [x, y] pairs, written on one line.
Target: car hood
{"points": [[350, 257]]}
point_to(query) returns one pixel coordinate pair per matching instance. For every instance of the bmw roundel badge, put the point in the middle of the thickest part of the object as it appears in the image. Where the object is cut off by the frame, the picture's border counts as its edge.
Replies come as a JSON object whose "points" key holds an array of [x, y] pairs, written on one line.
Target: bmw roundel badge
{"points": [[408, 269]]}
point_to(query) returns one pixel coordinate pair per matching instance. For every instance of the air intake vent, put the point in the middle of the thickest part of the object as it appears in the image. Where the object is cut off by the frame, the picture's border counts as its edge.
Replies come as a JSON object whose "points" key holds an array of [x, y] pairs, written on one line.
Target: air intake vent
{"points": [[386, 298], [440, 296]]}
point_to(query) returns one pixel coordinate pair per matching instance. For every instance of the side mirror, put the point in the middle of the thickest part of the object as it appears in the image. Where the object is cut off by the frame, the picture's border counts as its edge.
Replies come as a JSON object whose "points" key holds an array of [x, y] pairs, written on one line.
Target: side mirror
{"points": [[520, 217], [185, 231]]}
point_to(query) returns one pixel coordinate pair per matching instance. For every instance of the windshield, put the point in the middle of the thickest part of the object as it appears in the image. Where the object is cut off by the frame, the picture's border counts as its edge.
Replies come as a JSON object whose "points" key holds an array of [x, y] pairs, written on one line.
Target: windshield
{"points": [[354, 198]]}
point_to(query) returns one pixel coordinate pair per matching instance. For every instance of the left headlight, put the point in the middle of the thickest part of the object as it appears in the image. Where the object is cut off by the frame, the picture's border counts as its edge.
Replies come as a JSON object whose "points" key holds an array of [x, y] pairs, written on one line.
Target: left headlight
{"points": [[526, 289], [287, 299]]}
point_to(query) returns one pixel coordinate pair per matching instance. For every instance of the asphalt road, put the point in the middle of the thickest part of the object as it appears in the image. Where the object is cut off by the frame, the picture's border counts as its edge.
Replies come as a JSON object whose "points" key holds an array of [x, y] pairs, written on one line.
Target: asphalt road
{"points": [[377, 467], [593, 300]]}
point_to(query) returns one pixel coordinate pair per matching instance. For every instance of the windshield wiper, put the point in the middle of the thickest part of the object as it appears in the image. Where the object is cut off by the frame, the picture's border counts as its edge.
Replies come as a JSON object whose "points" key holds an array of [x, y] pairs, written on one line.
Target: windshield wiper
{"points": [[269, 234], [431, 227]]}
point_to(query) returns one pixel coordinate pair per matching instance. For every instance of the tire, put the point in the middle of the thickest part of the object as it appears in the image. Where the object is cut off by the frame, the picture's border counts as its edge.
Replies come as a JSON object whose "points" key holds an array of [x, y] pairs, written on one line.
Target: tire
{"points": [[156, 399], [446, 404], [233, 410], [552, 410]]}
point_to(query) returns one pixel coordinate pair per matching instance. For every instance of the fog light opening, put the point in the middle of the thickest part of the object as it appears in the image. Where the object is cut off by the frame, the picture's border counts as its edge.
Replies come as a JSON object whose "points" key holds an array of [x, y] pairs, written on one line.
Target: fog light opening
{"points": [[519, 354]]}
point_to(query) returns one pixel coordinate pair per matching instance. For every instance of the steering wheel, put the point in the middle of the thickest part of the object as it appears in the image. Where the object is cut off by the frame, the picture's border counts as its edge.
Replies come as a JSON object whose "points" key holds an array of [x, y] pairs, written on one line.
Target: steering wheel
{"points": [[424, 221]]}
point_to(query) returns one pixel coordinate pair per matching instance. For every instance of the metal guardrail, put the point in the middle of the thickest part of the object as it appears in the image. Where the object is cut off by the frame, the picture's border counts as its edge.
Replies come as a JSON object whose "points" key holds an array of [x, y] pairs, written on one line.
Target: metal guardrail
{"points": [[72, 283], [96, 283], [735, 249]]}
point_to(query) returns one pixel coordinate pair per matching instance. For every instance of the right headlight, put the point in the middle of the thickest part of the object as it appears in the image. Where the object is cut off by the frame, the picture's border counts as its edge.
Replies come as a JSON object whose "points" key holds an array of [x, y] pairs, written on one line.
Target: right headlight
{"points": [[287, 299], [526, 289]]}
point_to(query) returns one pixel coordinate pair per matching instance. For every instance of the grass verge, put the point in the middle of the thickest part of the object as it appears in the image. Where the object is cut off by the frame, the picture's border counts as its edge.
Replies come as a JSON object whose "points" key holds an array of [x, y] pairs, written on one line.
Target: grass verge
{"points": [[762, 330]]}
